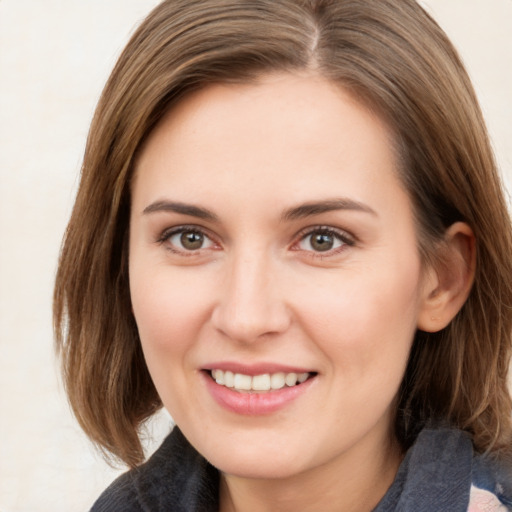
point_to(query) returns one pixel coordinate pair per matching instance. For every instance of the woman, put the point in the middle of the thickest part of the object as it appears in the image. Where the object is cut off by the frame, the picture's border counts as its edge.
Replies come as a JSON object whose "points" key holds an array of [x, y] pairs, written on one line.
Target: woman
{"points": [[290, 232]]}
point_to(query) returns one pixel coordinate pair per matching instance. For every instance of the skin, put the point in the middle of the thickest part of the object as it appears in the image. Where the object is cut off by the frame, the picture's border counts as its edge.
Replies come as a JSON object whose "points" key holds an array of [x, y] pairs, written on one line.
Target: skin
{"points": [[257, 291]]}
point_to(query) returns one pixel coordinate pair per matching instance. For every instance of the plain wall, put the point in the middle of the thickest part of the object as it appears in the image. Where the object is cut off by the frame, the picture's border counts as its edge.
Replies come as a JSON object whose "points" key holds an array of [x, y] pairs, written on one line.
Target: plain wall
{"points": [[55, 56]]}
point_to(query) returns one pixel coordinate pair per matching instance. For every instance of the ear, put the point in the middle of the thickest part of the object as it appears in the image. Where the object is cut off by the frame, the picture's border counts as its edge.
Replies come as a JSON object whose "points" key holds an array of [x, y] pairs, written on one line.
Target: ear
{"points": [[446, 287]]}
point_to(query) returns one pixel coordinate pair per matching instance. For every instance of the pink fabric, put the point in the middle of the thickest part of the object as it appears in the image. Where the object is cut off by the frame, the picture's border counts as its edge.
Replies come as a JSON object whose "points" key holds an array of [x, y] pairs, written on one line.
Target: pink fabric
{"points": [[484, 501]]}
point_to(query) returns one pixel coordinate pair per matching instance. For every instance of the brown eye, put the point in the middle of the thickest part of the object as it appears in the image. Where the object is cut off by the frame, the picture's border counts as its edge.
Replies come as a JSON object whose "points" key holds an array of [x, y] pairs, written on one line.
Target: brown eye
{"points": [[324, 240], [191, 240], [188, 240]]}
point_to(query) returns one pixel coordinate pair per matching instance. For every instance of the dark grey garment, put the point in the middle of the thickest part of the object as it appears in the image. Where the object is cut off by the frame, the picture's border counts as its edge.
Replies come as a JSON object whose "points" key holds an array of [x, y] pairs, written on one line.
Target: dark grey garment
{"points": [[435, 476], [174, 479]]}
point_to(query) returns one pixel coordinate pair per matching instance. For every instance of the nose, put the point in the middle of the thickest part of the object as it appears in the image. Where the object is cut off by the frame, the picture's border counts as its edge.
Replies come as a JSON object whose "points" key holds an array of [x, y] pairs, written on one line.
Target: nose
{"points": [[250, 304]]}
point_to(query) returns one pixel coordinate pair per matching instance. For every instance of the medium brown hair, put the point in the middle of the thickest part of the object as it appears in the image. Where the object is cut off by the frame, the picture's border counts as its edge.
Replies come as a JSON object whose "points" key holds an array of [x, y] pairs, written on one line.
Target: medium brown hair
{"points": [[393, 57]]}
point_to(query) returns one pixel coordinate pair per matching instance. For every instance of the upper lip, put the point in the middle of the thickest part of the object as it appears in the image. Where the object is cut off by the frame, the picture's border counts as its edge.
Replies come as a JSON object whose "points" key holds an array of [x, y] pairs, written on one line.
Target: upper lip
{"points": [[253, 369]]}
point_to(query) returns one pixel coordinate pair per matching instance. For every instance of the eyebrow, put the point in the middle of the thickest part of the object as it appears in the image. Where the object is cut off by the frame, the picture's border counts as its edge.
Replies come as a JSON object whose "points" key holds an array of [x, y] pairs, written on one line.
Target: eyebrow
{"points": [[295, 213], [316, 208], [183, 208]]}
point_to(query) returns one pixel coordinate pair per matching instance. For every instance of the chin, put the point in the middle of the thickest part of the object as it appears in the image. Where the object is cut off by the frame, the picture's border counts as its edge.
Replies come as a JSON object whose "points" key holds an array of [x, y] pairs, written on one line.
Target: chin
{"points": [[274, 470], [256, 461]]}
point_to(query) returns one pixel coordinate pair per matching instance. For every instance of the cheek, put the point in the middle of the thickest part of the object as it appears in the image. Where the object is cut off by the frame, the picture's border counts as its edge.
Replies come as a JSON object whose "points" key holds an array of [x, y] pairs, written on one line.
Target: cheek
{"points": [[169, 318], [365, 322], [167, 309]]}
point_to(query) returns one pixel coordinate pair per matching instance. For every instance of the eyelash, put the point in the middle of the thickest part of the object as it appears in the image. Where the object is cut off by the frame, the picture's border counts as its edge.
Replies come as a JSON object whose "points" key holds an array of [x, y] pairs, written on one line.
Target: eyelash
{"points": [[339, 235], [165, 237]]}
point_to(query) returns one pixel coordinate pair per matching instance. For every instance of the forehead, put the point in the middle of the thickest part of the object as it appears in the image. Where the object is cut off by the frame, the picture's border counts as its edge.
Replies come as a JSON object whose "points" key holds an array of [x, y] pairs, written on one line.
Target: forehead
{"points": [[286, 136]]}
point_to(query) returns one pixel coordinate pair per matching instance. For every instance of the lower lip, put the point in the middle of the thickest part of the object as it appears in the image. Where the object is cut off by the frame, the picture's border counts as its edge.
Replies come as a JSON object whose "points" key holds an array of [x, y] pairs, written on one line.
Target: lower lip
{"points": [[255, 403]]}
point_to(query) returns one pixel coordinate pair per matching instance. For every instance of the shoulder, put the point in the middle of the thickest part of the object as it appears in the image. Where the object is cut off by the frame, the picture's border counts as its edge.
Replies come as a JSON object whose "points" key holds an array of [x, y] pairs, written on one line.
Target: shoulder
{"points": [[442, 472], [491, 488], [490, 479], [485, 501], [175, 478], [120, 495]]}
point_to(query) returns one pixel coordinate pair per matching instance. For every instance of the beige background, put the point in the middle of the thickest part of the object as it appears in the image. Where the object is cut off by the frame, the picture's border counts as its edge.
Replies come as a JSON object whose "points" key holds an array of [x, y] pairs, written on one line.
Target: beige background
{"points": [[54, 58]]}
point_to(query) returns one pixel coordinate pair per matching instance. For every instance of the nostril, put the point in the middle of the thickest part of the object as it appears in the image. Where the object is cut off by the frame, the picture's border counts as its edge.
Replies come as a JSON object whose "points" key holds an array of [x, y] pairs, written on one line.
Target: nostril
{"points": [[249, 304], [248, 324]]}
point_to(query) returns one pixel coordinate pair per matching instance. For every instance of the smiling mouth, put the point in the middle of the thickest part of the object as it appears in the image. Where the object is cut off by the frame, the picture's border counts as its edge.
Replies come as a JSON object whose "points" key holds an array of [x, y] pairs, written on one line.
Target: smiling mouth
{"points": [[258, 383]]}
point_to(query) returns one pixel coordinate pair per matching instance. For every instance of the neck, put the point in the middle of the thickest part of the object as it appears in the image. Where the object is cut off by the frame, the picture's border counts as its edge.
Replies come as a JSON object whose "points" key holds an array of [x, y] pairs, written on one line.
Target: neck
{"points": [[355, 482]]}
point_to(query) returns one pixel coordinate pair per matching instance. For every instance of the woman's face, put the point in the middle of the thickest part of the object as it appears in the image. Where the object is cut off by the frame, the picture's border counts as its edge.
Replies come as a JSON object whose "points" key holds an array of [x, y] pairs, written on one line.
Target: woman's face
{"points": [[273, 248]]}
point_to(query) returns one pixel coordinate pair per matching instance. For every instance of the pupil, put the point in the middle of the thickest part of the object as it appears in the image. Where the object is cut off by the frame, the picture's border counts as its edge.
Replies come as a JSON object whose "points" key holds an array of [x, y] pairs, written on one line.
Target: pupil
{"points": [[322, 242], [191, 241]]}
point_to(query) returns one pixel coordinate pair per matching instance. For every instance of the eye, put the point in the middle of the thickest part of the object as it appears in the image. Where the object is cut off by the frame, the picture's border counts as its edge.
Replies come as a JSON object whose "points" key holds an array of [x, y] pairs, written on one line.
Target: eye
{"points": [[186, 239], [322, 240]]}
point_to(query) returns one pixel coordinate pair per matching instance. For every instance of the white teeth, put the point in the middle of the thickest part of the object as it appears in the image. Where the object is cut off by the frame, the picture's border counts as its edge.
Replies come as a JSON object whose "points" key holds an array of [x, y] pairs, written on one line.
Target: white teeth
{"points": [[261, 382], [243, 382], [229, 379], [264, 382], [291, 379], [277, 381], [303, 377], [218, 375]]}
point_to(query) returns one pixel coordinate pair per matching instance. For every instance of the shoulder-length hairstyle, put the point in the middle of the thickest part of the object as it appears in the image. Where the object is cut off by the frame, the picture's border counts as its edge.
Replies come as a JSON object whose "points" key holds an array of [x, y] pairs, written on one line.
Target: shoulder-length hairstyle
{"points": [[393, 57]]}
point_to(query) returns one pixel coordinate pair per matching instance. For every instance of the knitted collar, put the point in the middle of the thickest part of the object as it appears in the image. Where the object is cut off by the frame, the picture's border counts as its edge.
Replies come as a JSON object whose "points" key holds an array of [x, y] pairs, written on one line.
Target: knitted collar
{"points": [[436, 475]]}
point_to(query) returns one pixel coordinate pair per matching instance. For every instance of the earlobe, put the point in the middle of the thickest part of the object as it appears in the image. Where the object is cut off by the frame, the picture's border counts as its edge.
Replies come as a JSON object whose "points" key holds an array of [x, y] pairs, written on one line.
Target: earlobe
{"points": [[447, 286]]}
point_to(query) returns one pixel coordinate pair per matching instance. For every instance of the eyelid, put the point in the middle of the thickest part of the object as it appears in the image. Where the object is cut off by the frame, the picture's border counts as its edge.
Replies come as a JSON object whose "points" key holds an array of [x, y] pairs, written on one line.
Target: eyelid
{"points": [[343, 235], [167, 233], [347, 239]]}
